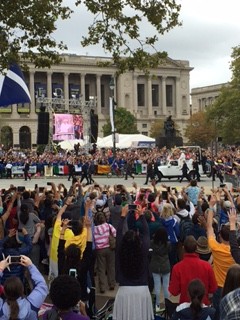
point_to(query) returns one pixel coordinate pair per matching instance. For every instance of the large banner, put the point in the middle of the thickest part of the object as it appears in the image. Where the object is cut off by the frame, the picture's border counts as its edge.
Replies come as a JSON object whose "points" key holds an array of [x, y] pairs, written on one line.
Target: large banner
{"points": [[67, 127]]}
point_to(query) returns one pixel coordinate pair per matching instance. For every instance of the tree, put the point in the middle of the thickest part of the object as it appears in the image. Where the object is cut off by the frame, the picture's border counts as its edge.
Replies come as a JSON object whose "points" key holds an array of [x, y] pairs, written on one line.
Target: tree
{"points": [[125, 122], [157, 128], [225, 110], [199, 130], [27, 27]]}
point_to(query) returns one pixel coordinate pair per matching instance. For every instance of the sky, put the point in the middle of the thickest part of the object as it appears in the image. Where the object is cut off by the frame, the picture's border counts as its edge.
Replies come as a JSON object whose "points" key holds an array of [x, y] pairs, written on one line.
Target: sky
{"points": [[209, 31]]}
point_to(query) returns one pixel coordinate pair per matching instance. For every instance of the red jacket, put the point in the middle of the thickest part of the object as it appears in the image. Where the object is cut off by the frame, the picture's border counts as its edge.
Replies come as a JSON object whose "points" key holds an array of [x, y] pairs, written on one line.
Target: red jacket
{"points": [[190, 268]]}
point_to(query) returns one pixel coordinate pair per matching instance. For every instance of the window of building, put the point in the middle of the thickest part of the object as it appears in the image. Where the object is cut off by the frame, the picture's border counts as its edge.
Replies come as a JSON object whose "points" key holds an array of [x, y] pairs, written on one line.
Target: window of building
{"points": [[102, 96], [23, 108], [145, 133], [144, 125], [87, 92], [169, 95], [155, 95], [25, 138], [6, 109], [40, 90], [141, 94]]}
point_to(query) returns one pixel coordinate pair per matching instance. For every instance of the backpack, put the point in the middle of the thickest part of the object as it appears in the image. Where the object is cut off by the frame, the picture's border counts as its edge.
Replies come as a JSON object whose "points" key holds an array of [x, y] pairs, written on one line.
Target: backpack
{"points": [[185, 228]]}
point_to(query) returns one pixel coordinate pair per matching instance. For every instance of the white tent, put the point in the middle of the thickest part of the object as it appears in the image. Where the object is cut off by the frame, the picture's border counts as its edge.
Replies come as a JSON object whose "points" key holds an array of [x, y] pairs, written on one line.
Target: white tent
{"points": [[69, 144], [124, 141]]}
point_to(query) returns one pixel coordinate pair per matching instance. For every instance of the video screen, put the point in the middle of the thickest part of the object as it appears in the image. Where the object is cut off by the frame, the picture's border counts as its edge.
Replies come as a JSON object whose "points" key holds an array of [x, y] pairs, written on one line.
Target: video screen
{"points": [[67, 127]]}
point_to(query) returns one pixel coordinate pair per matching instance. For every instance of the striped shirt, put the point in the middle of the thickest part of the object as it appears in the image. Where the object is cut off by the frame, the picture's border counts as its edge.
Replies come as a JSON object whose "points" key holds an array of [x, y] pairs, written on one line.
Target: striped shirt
{"points": [[101, 235]]}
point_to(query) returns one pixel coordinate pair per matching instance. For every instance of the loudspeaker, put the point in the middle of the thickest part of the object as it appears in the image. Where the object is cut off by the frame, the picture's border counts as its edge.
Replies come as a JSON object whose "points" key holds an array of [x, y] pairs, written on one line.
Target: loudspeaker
{"points": [[94, 126], [43, 128]]}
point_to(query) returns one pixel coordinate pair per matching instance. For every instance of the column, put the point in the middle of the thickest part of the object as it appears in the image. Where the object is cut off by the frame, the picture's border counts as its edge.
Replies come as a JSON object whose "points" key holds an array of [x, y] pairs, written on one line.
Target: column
{"points": [[49, 85], [164, 107], [99, 100], [83, 87], [135, 99], [31, 89], [149, 96], [66, 91], [178, 105]]}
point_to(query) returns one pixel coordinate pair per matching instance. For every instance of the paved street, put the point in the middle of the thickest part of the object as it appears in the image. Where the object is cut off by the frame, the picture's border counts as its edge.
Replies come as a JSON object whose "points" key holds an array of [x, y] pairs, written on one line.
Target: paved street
{"points": [[103, 180]]}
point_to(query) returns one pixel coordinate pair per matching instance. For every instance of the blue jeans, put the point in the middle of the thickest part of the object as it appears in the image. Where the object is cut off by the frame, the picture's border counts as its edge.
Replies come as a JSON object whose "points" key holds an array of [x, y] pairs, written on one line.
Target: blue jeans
{"points": [[158, 279]]}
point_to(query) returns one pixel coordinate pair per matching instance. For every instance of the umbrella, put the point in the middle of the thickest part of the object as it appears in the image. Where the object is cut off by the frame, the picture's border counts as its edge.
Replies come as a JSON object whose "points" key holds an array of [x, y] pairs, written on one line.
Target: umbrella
{"points": [[69, 144]]}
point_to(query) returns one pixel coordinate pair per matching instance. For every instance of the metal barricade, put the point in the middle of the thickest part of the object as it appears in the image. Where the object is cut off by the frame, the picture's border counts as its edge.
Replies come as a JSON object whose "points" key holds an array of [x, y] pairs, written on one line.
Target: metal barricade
{"points": [[233, 179]]}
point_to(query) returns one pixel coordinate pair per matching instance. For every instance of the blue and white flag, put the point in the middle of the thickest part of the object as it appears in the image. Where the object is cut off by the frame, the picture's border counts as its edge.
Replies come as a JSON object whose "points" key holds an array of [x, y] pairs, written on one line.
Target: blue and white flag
{"points": [[13, 88]]}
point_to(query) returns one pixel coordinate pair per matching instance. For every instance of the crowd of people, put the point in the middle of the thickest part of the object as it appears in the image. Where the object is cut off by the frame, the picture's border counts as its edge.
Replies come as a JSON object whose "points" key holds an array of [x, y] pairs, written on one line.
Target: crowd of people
{"points": [[149, 243], [226, 161]]}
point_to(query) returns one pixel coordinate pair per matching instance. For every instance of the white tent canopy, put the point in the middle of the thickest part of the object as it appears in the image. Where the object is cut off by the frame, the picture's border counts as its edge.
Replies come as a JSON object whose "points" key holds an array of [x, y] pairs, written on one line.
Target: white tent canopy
{"points": [[124, 141], [69, 144]]}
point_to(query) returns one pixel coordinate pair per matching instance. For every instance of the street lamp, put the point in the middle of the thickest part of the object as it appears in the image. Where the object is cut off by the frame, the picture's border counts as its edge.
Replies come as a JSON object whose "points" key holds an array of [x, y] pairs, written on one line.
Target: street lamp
{"points": [[112, 114]]}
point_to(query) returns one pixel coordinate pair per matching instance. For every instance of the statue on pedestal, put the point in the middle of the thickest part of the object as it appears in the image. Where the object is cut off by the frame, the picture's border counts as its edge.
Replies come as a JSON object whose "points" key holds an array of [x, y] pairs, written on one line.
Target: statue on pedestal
{"points": [[169, 127]]}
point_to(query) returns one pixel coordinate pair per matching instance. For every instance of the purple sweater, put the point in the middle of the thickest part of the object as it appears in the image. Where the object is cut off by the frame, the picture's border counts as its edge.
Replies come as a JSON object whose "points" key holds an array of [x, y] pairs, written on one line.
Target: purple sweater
{"points": [[69, 316]]}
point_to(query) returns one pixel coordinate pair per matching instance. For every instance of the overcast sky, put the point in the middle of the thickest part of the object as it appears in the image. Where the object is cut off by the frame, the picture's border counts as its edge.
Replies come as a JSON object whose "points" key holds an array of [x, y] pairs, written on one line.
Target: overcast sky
{"points": [[209, 31]]}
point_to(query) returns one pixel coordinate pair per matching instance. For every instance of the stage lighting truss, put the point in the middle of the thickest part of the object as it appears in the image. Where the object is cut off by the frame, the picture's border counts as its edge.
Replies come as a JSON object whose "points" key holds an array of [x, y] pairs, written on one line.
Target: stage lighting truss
{"points": [[71, 106]]}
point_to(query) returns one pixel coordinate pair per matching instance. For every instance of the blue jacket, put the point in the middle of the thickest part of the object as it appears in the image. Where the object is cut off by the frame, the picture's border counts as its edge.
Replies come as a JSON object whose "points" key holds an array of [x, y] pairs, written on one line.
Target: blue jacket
{"points": [[29, 306], [172, 227]]}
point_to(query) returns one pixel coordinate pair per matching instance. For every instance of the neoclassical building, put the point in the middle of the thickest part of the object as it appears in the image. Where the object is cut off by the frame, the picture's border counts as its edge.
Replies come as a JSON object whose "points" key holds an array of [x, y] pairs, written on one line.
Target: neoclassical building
{"points": [[79, 84], [203, 97]]}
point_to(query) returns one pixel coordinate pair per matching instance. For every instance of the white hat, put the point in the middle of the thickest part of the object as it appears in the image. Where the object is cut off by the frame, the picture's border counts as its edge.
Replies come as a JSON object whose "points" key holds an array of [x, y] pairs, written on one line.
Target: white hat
{"points": [[227, 204]]}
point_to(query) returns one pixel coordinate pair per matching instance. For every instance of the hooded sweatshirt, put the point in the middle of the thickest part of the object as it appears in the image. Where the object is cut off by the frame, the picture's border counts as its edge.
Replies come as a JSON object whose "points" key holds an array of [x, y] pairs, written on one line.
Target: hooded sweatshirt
{"points": [[172, 226]]}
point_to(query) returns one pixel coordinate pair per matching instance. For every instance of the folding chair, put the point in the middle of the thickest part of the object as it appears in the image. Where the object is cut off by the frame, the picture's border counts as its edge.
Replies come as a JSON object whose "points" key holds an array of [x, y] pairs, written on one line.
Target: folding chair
{"points": [[105, 312], [170, 308]]}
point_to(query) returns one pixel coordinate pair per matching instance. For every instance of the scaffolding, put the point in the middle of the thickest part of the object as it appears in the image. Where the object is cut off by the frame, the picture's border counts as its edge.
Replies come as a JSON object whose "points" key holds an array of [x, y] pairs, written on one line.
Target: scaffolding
{"points": [[72, 106]]}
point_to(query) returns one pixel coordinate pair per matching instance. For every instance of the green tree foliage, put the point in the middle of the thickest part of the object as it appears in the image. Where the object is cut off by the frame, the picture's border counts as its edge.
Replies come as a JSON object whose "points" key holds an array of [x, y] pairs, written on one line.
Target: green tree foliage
{"points": [[27, 26], [157, 128], [225, 110], [199, 130], [125, 122]]}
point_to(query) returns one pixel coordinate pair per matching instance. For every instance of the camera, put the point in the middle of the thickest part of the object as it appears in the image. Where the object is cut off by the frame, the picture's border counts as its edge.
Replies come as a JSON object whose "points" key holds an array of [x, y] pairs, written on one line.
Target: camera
{"points": [[20, 188], [73, 273], [49, 183], [164, 195], [15, 259]]}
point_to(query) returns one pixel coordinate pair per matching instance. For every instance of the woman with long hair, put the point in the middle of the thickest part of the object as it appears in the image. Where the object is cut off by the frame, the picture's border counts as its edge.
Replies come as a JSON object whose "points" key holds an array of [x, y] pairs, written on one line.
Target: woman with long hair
{"points": [[160, 265], [171, 224], [195, 309], [15, 305], [133, 299], [232, 280]]}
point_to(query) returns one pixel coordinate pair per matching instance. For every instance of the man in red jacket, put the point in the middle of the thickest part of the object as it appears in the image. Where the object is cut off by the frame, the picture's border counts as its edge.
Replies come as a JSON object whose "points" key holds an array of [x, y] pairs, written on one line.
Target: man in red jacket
{"points": [[190, 268]]}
